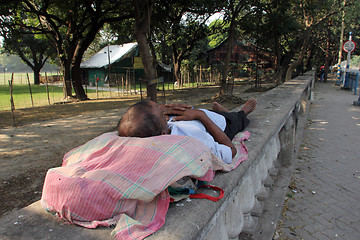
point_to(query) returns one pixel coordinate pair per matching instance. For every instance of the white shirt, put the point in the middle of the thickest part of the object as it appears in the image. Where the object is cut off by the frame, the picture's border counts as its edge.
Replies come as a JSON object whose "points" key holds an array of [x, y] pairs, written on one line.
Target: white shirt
{"points": [[196, 129]]}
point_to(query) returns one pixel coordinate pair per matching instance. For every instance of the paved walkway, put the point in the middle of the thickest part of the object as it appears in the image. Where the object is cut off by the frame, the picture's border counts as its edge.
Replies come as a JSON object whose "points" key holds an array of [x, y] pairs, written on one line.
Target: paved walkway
{"points": [[326, 183]]}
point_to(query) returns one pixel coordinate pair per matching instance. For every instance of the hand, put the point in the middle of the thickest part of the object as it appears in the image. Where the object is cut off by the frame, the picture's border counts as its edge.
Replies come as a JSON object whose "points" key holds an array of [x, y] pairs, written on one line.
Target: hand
{"points": [[185, 114], [177, 106], [173, 108]]}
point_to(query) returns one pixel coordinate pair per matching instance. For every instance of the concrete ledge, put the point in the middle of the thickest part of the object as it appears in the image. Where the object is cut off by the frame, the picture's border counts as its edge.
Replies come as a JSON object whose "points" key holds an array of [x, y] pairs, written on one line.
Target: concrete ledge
{"points": [[274, 128]]}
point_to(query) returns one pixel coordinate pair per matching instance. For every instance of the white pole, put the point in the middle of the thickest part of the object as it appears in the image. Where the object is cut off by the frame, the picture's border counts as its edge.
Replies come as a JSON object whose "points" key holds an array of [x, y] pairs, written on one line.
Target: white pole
{"points": [[349, 53], [346, 83], [341, 40]]}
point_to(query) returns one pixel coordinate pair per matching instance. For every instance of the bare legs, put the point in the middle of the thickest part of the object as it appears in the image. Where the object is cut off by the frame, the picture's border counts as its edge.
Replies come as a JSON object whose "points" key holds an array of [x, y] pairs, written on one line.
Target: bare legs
{"points": [[218, 107], [248, 107]]}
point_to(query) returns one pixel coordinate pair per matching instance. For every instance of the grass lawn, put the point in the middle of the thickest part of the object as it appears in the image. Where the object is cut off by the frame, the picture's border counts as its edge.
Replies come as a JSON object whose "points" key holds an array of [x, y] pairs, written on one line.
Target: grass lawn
{"points": [[22, 97]]}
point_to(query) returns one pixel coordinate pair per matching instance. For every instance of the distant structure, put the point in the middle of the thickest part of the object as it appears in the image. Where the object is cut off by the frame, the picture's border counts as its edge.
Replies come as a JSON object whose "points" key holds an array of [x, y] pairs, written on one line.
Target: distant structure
{"points": [[244, 57], [120, 63]]}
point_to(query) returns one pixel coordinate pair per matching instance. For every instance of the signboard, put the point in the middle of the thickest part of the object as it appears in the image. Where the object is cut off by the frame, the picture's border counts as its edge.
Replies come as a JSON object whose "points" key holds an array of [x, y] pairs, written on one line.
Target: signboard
{"points": [[138, 63], [156, 80], [349, 46]]}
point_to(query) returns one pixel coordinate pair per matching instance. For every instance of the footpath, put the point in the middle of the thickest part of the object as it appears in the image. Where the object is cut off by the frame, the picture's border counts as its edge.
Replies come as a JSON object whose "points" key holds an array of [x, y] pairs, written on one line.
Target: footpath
{"points": [[323, 201]]}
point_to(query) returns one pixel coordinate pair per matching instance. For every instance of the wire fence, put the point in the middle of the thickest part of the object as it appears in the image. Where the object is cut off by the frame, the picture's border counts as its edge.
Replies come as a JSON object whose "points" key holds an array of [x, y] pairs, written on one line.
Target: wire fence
{"points": [[18, 91]]}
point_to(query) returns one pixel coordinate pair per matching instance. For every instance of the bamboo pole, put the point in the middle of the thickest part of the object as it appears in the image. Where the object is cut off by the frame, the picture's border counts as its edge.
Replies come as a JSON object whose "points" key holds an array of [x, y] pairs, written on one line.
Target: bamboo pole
{"points": [[32, 100], [110, 86], [188, 77], [134, 81], [127, 82], [122, 84], [47, 88], [164, 91], [12, 99], [200, 76], [197, 79], [117, 84], [141, 97], [97, 87]]}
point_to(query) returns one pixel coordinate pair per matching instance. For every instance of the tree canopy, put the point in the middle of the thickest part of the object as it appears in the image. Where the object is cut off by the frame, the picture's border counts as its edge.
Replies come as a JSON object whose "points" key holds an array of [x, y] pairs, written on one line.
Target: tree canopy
{"points": [[298, 34], [70, 25]]}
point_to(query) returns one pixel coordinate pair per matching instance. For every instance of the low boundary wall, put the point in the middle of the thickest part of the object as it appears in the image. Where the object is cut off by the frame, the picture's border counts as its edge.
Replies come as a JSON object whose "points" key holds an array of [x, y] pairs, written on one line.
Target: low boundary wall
{"points": [[275, 126]]}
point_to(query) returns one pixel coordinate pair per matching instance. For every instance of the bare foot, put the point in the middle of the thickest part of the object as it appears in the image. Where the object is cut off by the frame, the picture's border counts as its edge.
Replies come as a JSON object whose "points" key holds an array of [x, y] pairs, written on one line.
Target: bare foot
{"points": [[218, 107], [249, 106]]}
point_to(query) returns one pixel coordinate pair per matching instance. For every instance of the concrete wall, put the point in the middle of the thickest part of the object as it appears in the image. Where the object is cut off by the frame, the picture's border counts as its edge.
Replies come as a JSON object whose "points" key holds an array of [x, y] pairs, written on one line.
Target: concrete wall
{"points": [[275, 126]]}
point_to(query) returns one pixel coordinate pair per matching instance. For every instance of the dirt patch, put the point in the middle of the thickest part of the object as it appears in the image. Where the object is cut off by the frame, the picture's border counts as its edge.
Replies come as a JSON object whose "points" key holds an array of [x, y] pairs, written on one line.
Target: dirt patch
{"points": [[31, 115], [43, 135]]}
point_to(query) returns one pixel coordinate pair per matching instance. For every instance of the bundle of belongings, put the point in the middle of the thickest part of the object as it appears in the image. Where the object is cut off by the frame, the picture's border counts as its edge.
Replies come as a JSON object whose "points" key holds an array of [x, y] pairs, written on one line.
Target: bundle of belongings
{"points": [[124, 181]]}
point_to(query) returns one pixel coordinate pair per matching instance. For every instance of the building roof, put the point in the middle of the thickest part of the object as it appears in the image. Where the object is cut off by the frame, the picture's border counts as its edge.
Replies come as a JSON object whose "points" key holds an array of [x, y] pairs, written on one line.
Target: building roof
{"points": [[117, 53]]}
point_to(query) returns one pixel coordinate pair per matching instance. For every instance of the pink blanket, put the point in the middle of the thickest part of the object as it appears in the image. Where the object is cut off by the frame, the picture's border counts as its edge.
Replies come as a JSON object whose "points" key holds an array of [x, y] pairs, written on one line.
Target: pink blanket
{"points": [[113, 180]]}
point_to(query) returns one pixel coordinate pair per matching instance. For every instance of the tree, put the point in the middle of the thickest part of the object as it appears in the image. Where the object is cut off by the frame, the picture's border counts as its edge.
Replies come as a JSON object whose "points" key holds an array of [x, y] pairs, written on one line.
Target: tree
{"points": [[181, 25], [288, 28], [70, 25], [143, 11], [34, 50], [232, 11], [218, 28]]}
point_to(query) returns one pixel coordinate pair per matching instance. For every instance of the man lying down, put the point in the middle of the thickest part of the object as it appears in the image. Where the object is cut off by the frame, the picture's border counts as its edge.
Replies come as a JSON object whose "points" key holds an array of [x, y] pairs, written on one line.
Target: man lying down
{"points": [[216, 129], [121, 178]]}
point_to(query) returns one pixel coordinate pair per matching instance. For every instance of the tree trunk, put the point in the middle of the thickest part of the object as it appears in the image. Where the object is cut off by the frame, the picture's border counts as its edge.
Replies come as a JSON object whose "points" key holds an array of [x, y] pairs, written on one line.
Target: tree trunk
{"points": [[36, 65], [77, 83], [223, 83], [149, 69], [284, 64], [327, 54], [341, 37], [235, 9], [296, 63], [143, 11], [177, 66], [36, 75], [76, 71], [279, 71], [67, 79], [307, 63]]}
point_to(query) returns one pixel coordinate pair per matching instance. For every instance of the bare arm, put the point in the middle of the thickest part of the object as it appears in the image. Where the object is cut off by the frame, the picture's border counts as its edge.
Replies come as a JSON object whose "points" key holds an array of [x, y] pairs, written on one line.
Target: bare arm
{"points": [[172, 107], [211, 127]]}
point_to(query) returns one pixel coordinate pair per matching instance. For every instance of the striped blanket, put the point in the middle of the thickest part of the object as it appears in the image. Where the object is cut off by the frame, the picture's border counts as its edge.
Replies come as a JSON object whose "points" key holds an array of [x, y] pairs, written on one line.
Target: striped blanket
{"points": [[120, 181]]}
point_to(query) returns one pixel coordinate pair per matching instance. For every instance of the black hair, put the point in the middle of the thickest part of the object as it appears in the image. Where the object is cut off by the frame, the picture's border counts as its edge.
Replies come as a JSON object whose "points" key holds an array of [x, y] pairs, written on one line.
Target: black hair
{"points": [[139, 121]]}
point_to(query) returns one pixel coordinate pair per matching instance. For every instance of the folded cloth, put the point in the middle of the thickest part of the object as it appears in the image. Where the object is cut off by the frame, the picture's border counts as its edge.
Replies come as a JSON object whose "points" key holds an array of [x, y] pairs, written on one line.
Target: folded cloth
{"points": [[122, 181]]}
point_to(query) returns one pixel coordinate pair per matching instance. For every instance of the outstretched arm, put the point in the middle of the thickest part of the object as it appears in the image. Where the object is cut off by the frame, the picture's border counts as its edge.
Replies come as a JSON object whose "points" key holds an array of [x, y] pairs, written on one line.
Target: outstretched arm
{"points": [[194, 114], [171, 107]]}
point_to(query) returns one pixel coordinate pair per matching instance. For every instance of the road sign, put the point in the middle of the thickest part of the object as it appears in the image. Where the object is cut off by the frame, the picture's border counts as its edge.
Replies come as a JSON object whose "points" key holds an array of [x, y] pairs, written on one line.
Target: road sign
{"points": [[138, 63], [349, 46], [156, 80]]}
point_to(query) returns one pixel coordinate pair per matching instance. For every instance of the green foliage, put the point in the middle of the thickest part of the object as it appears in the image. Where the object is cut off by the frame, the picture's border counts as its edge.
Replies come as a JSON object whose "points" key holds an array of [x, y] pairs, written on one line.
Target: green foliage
{"points": [[34, 50], [70, 25], [13, 63], [352, 24], [218, 28], [355, 61], [180, 26], [179, 32]]}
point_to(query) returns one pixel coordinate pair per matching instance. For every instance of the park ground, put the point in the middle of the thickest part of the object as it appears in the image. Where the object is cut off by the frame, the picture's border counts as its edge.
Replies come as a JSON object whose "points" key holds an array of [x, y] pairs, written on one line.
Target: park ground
{"points": [[44, 134]]}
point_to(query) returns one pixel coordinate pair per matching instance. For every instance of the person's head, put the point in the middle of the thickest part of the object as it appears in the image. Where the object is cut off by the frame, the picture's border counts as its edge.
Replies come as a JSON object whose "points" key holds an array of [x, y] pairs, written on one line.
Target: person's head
{"points": [[143, 119]]}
